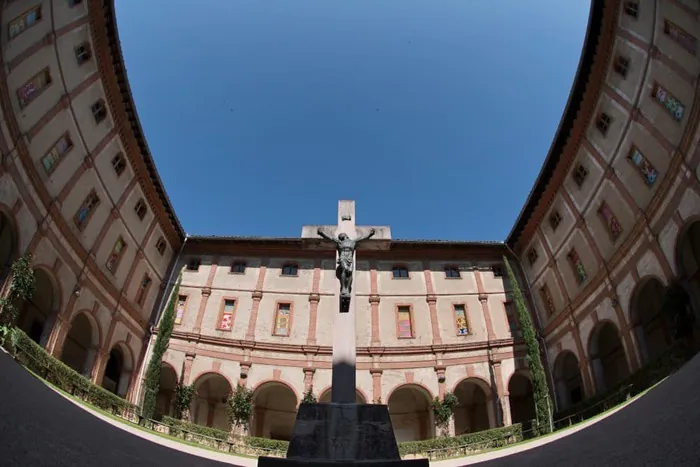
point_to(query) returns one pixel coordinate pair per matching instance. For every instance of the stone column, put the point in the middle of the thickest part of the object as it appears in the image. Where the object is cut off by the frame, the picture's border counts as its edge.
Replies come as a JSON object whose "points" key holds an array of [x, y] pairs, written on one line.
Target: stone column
{"points": [[440, 371], [309, 379], [492, 404], [243, 377], [99, 368], [259, 421], [374, 304], [189, 358], [376, 385], [505, 407]]}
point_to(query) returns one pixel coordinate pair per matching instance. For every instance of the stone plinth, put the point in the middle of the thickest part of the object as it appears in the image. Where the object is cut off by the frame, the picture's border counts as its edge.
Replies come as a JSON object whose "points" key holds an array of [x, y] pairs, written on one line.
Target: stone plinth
{"points": [[342, 434]]}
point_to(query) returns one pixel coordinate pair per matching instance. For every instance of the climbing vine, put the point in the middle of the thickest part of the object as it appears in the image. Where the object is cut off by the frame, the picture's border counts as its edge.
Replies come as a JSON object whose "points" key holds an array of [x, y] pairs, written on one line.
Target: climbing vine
{"points": [[240, 406], [534, 360], [309, 397], [21, 288], [442, 410]]}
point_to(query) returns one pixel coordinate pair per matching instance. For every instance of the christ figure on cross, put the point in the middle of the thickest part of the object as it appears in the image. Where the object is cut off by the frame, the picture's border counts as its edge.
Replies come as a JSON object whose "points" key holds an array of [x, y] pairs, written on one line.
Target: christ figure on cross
{"points": [[346, 248]]}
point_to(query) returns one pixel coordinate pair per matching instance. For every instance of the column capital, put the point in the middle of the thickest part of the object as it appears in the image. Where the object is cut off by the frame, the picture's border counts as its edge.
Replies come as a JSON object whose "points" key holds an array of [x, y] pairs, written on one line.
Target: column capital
{"points": [[257, 295], [190, 355], [374, 298], [313, 297], [206, 291], [376, 371], [483, 297], [431, 299], [245, 368], [309, 370]]}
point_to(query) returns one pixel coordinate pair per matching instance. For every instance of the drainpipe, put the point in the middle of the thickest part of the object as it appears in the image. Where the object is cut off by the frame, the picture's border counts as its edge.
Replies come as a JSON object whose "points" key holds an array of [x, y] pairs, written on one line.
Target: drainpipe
{"points": [[539, 325], [159, 312]]}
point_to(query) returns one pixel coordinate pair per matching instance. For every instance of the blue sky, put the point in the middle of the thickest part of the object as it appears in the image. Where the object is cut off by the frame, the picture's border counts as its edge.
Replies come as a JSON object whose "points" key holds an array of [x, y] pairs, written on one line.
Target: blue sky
{"points": [[435, 116]]}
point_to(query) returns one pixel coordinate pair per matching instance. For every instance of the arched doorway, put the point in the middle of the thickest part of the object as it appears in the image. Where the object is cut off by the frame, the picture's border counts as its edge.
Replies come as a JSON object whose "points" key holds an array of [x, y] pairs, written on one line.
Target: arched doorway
{"points": [[522, 401], [166, 391], [118, 370], [568, 381], [651, 328], [411, 416], [475, 410], [688, 262], [275, 411], [326, 396], [8, 246], [80, 346], [607, 356], [209, 405], [36, 312]]}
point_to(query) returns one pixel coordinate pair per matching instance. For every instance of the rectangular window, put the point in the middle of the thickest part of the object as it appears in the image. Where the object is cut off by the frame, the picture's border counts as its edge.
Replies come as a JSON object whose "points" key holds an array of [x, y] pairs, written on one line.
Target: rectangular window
{"points": [[512, 319], [160, 246], [610, 221], [682, 38], [143, 289], [621, 65], [451, 272], [672, 105], [461, 321], [116, 255], [24, 21], [180, 308], [99, 111], [141, 209], [32, 88], [119, 164], [497, 271], [82, 53], [646, 170], [579, 175], [226, 320], [399, 272], [56, 153], [554, 220], [577, 266], [283, 318], [532, 256], [404, 324], [290, 269], [603, 123], [238, 267], [632, 9], [83, 215], [193, 264], [547, 299]]}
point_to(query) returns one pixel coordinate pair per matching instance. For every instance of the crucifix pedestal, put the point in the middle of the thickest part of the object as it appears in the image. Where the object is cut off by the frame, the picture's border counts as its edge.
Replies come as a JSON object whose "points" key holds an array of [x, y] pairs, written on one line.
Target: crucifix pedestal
{"points": [[343, 432]]}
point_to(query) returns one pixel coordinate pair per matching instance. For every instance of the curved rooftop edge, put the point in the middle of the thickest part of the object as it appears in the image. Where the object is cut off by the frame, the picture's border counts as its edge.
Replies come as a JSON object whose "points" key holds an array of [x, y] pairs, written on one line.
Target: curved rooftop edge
{"points": [[103, 19], [581, 102]]}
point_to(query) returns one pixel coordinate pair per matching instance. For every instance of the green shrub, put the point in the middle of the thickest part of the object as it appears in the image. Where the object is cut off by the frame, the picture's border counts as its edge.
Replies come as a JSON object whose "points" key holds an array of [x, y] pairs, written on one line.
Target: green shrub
{"points": [[177, 427], [239, 406], [34, 357], [21, 288], [264, 443], [183, 398], [495, 437]]}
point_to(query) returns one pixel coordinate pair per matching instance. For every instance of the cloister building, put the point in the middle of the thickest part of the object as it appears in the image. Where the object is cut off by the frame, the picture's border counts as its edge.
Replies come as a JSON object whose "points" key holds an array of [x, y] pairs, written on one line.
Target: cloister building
{"points": [[612, 220]]}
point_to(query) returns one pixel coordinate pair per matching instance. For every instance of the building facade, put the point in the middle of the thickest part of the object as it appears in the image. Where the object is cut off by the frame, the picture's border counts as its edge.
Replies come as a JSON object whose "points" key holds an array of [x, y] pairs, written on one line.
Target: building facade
{"points": [[611, 222]]}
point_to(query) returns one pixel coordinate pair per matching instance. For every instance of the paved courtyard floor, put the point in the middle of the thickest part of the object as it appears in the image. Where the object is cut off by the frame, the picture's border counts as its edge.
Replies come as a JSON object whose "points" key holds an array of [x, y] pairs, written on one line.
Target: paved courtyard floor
{"points": [[41, 427]]}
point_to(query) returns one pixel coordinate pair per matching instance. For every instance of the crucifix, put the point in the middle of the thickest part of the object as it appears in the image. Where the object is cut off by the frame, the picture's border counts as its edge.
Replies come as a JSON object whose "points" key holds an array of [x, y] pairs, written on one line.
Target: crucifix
{"points": [[346, 239]]}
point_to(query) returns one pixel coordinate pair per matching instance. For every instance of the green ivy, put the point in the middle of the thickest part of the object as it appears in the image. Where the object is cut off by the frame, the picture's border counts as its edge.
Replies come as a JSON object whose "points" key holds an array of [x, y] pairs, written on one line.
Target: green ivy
{"points": [[240, 406], [534, 359], [183, 399], [442, 409], [21, 288], [165, 330], [309, 397]]}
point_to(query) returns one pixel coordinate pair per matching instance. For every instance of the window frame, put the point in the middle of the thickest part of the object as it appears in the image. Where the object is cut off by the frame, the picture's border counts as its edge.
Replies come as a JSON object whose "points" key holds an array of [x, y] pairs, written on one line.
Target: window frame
{"points": [[579, 175], [397, 267], [290, 265], [532, 256], [238, 263], [466, 317], [99, 112], [61, 156], [190, 261], [668, 25], [631, 9], [88, 217], [448, 267], [548, 300], [613, 237], [397, 309], [116, 160], [638, 168], [161, 245], [142, 291], [86, 50], [655, 87], [516, 333], [555, 220], [184, 308], [23, 104], [278, 303], [23, 15], [603, 123], [621, 65], [141, 203], [580, 280], [222, 312], [120, 255]]}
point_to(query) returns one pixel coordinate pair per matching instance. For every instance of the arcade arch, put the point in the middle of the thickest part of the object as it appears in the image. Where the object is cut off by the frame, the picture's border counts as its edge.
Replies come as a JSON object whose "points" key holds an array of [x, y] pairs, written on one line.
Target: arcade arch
{"points": [[37, 311], [81, 344], [607, 356], [411, 416], [275, 411], [209, 404], [651, 328], [166, 390], [475, 411], [327, 395], [521, 398], [118, 370], [567, 379]]}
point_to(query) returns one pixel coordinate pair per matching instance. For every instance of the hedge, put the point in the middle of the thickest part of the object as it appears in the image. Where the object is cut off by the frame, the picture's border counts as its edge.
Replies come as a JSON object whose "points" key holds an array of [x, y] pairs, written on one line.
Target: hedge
{"points": [[496, 437], [264, 443], [64, 377], [178, 426]]}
